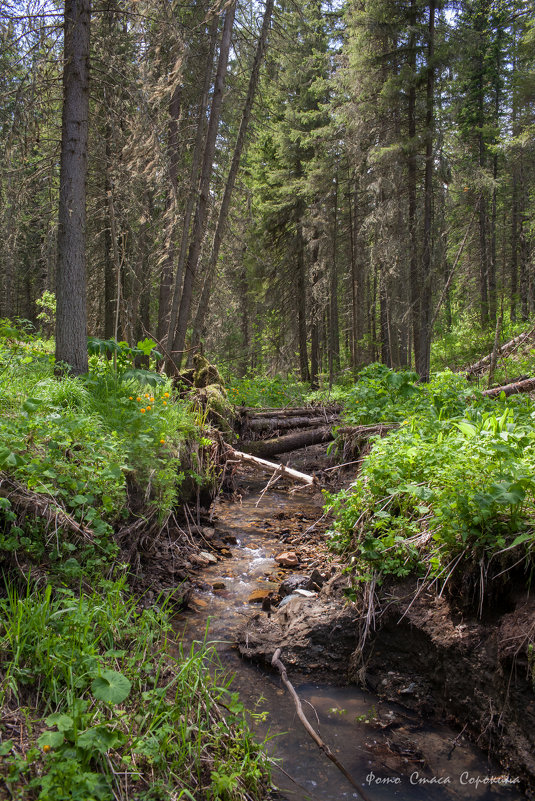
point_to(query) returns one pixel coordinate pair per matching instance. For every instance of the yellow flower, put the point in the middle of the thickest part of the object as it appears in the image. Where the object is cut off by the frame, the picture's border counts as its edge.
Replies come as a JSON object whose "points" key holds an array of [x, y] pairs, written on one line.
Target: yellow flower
{"points": [[151, 400], [166, 394], [138, 399], [146, 395], [148, 408], [46, 748], [130, 398], [165, 403], [162, 442], [142, 411]]}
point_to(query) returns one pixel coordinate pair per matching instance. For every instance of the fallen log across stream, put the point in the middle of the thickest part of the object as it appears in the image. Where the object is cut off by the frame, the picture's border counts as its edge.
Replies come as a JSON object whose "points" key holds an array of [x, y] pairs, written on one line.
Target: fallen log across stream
{"points": [[289, 442], [269, 467]]}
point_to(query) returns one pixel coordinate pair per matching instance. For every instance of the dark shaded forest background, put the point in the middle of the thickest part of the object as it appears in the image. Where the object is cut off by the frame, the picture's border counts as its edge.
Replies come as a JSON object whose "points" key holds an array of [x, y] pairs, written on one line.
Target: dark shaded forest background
{"points": [[303, 187]]}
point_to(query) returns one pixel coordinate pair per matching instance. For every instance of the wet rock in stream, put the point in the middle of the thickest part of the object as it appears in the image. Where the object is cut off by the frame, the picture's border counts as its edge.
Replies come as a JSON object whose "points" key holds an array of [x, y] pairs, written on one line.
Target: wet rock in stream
{"points": [[315, 635]]}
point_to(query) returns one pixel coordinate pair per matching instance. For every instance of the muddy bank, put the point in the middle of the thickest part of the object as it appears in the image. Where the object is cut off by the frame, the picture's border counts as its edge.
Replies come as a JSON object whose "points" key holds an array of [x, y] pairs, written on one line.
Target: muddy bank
{"points": [[419, 652]]}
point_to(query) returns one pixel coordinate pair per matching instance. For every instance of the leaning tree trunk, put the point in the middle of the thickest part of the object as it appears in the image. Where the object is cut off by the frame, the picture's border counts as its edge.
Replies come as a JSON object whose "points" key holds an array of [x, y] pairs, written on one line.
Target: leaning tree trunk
{"points": [[204, 189], [424, 355], [233, 172], [71, 311]]}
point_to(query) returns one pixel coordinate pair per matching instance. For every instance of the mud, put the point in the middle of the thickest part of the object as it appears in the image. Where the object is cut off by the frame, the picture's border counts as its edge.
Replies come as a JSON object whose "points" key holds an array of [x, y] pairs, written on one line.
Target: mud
{"points": [[434, 658]]}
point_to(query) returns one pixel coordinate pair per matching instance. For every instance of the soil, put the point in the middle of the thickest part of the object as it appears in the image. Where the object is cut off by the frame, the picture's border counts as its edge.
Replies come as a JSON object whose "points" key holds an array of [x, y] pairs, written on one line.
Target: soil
{"points": [[423, 651], [431, 657]]}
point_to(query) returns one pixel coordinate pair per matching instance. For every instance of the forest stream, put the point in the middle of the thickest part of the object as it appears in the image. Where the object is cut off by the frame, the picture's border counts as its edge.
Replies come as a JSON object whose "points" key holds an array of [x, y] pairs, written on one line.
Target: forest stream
{"points": [[390, 751]]}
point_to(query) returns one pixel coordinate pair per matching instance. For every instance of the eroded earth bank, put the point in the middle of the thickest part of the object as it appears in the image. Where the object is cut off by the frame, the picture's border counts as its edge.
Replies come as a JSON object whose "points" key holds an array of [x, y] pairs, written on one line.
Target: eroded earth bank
{"points": [[428, 699]]}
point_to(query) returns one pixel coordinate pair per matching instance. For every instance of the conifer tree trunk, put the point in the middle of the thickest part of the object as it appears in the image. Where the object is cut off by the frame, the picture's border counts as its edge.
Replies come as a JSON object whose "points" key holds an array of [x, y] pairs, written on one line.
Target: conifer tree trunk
{"points": [[211, 268], [204, 188], [424, 355], [173, 151], [71, 313], [193, 191]]}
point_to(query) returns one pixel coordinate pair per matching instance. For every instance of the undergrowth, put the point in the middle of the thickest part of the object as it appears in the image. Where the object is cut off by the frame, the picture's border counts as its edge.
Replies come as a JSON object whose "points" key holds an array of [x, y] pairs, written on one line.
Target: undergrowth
{"points": [[452, 487], [96, 708], [93, 706]]}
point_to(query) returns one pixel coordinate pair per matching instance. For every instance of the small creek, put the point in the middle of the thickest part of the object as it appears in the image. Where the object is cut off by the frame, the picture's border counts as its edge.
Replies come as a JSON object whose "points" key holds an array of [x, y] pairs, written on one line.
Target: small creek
{"points": [[411, 760]]}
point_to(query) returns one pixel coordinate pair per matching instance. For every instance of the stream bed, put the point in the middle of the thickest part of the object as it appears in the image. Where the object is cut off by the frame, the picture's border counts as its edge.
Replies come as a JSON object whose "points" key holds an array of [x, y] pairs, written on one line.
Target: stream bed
{"points": [[392, 753]]}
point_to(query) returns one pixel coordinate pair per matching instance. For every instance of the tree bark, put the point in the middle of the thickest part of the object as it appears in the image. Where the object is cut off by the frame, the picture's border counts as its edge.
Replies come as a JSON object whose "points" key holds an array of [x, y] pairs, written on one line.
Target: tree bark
{"points": [[192, 196], [71, 309], [527, 385], [204, 188], [211, 268], [173, 150], [290, 442], [424, 356], [414, 273]]}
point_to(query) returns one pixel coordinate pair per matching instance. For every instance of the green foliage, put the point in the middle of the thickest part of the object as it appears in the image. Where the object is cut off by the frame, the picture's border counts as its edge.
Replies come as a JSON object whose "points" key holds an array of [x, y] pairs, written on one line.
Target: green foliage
{"points": [[47, 315], [115, 703], [384, 395], [263, 391], [77, 441], [454, 483]]}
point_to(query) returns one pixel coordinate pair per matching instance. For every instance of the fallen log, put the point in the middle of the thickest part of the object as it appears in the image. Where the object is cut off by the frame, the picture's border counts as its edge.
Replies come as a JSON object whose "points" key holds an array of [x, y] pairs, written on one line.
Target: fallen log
{"points": [[503, 350], [262, 424], [290, 411], [269, 467], [527, 385], [290, 442]]}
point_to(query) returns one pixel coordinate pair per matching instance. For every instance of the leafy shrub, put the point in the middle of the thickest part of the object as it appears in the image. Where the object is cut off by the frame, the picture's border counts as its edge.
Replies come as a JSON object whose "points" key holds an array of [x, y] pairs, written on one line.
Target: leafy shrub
{"points": [[454, 482]]}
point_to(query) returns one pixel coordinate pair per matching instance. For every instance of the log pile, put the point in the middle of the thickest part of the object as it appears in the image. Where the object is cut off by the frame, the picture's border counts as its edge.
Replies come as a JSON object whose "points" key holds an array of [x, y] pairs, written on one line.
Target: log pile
{"points": [[266, 432]]}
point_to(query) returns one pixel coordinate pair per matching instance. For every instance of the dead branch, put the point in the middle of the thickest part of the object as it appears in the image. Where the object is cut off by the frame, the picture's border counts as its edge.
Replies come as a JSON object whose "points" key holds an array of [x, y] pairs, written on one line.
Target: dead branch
{"points": [[39, 505], [276, 662], [481, 365], [365, 432]]}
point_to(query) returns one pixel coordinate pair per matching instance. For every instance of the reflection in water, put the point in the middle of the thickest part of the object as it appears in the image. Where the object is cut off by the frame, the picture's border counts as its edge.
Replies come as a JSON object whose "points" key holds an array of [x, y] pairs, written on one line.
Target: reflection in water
{"points": [[385, 748]]}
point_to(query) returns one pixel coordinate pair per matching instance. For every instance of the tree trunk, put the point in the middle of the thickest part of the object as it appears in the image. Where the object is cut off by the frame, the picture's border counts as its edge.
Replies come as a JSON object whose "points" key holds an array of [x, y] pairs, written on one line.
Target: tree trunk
{"points": [[334, 325], [193, 193], [173, 150], [204, 188], [71, 309], [424, 355], [211, 268], [414, 272], [301, 307]]}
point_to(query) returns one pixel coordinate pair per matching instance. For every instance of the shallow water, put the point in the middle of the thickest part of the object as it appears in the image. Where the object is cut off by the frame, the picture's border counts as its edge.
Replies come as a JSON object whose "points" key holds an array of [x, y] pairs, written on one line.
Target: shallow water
{"points": [[391, 753]]}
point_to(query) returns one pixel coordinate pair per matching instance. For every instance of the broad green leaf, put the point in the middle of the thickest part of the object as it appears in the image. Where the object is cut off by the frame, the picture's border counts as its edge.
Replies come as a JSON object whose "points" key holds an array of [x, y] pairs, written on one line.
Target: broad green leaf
{"points": [[100, 739], [31, 404], [467, 429], [111, 687], [63, 722], [53, 739]]}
